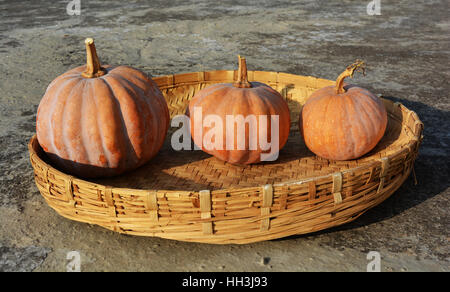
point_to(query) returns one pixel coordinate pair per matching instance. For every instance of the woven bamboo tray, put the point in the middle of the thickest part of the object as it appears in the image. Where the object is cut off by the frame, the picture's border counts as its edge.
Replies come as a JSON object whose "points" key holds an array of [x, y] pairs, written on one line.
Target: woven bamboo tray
{"points": [[191, 196]]}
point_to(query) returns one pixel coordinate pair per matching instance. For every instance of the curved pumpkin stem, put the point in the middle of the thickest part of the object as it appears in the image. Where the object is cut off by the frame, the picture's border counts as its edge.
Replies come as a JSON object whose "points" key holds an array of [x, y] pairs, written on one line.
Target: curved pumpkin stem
{"points": [[242, 80], [93, 67], [358, 65]]}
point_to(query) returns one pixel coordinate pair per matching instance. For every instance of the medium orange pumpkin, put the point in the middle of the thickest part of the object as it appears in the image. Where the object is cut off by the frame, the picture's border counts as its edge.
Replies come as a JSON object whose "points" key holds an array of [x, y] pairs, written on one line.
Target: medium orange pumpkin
{"points": [[96, 121], [343, 122], [246, 100]]}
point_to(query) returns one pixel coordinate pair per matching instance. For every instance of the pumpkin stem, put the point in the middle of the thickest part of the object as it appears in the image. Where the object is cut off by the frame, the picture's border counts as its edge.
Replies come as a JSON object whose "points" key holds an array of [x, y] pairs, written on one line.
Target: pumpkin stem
{"points": [[358, 65], [242, 80], [93, 67]]}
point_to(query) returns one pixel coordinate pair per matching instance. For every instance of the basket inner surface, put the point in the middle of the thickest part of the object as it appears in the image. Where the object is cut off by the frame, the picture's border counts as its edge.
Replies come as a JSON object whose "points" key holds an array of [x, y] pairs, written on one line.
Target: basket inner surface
{"points": [[196, 170]]}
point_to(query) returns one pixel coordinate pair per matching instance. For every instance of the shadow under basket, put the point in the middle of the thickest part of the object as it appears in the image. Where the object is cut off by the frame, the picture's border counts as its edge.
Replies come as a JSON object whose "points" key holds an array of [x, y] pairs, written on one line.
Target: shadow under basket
{"points": [[192, 196]]}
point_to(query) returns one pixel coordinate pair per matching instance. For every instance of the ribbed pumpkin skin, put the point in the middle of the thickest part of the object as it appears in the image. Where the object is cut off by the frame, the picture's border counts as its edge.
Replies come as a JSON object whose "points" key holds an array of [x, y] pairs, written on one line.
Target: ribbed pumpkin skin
{"points": [[225, 99], [342, 126], [104, 126]]}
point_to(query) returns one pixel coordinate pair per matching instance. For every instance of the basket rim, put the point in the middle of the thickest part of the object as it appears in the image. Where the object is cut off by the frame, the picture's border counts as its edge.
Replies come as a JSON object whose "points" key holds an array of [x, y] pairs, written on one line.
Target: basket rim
{"points": [[170, 83]]}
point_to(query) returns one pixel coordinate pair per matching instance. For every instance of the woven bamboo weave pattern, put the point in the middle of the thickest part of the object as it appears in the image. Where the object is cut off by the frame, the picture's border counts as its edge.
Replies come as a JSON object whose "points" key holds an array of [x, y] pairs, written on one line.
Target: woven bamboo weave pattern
{"points": [[191, 196]]}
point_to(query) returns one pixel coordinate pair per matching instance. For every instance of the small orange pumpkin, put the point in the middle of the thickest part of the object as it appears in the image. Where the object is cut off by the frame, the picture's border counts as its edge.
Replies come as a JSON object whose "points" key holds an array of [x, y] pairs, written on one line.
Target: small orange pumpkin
{"points": [[96, 121], [247, 100], [343, 122]]}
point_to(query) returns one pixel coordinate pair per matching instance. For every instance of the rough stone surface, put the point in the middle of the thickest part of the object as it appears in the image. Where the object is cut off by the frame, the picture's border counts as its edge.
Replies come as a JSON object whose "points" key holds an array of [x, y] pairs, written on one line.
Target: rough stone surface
{"points": [[407, 49], [22, 259]]}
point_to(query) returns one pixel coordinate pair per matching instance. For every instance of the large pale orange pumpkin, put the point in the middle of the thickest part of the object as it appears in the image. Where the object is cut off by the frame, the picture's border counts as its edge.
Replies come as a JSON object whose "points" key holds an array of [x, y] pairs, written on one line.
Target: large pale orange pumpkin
{"points": [[241, 144], [343, 122], [96, 121]]}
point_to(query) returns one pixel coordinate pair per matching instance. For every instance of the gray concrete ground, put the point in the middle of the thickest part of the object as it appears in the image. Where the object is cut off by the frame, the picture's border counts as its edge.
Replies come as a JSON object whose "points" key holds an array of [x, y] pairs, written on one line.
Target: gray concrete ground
{"points": [[406, 47]]}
